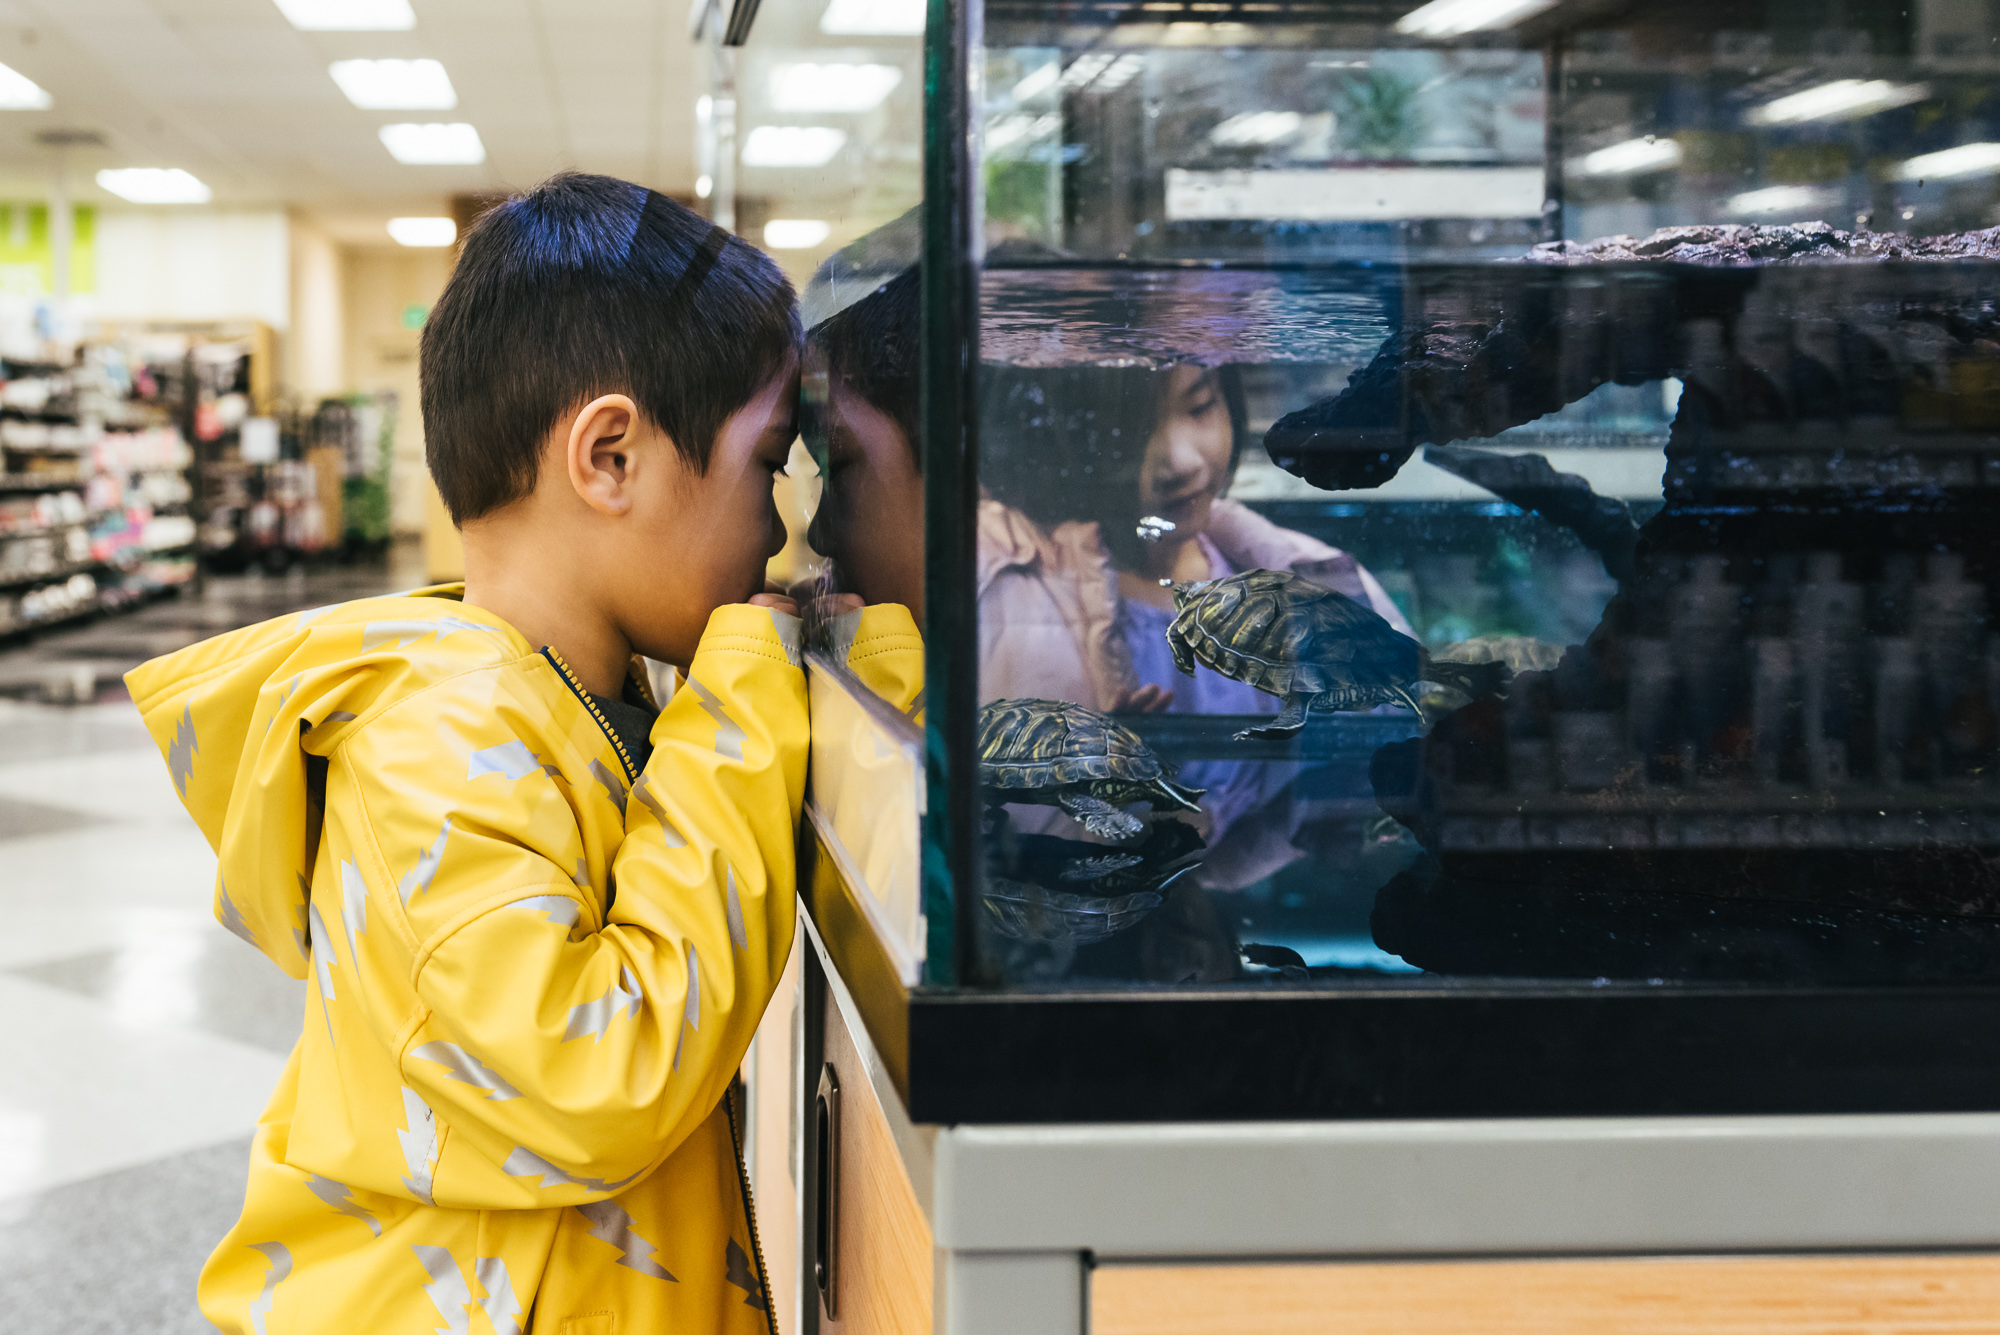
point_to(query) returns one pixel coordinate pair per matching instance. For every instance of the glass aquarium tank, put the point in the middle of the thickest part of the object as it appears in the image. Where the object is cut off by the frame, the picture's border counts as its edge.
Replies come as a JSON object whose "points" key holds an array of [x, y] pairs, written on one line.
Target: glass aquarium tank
{"points": [[1463, 529]]}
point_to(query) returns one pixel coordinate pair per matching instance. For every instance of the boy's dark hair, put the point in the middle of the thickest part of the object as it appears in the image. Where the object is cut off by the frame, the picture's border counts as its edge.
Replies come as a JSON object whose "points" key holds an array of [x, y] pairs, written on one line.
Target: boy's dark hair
{"points": [[871, 349], [590, 285]]}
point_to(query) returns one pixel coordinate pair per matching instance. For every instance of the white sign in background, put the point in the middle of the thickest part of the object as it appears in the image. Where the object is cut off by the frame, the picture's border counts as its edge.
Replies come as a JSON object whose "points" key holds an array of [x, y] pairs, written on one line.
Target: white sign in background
{"points": [[1354, 194]]}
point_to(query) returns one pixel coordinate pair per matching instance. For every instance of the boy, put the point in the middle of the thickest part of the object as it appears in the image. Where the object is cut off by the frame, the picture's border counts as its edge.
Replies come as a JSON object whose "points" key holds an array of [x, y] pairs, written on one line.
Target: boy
{"points": [[541, 924]]}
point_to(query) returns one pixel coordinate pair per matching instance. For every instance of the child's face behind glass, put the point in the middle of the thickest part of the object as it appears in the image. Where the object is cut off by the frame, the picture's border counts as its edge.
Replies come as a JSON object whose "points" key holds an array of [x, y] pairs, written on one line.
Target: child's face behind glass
{"points": [[1187, 459], [699, 540]]}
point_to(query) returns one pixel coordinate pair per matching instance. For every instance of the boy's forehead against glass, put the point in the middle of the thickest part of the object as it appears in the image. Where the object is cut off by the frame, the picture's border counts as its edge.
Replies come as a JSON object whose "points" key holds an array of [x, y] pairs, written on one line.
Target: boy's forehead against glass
{"points": [[785, 418]]}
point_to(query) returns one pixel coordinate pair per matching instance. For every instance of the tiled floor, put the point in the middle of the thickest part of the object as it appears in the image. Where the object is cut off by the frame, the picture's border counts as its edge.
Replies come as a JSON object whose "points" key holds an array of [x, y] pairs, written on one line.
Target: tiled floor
{"points": [[138, 1039]]}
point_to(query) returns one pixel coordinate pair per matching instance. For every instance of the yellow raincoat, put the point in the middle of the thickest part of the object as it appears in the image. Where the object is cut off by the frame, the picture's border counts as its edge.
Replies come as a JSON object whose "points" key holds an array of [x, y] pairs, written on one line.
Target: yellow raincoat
{"points": [[535, 970]]}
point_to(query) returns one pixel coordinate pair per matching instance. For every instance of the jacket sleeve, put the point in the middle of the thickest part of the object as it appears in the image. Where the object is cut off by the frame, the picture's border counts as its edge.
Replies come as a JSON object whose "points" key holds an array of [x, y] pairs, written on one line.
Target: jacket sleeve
{"points": [[886, 653], [577, 1054]]}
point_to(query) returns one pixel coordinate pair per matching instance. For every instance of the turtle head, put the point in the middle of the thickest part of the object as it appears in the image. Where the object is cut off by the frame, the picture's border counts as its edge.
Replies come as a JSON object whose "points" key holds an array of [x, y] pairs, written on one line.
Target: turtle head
{"points": [[1188, 592]]}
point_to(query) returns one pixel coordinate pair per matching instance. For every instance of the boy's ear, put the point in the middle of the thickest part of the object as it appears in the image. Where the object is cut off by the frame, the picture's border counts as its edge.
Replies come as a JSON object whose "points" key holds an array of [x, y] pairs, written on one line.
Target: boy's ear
{"points": [[598, 453]]}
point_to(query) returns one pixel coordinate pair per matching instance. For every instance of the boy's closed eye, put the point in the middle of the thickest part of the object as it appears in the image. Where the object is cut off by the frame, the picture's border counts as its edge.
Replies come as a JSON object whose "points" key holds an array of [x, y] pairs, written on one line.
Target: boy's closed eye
{"points": [[774, 447]]}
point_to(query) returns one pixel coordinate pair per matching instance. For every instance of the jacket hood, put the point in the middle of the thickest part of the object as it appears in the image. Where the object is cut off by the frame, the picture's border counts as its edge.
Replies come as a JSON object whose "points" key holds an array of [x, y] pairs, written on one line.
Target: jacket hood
{"points": [[246, 721]]}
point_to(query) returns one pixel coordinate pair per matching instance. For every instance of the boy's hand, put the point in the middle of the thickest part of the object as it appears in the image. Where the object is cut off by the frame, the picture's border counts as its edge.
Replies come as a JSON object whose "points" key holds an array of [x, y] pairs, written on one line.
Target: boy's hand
{"points": [[833, 605]]}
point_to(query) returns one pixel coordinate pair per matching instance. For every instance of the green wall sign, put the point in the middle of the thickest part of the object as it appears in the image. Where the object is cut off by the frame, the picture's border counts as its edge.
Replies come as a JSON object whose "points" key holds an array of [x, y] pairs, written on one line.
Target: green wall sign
{"points": [[27, 261]]}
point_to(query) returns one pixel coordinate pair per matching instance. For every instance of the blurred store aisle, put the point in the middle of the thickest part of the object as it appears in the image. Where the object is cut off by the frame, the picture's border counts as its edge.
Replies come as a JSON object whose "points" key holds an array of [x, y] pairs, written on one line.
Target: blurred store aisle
{"points": [[138, 1039]]}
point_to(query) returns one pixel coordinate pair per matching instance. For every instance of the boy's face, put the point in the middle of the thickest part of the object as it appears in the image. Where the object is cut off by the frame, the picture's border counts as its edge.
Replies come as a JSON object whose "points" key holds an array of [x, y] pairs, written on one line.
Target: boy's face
{"points": [[698, 540]]}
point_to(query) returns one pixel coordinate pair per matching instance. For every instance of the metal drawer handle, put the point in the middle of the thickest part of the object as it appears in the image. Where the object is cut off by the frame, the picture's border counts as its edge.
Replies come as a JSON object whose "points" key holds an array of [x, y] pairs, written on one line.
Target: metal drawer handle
{"points": [[826, 1144]]}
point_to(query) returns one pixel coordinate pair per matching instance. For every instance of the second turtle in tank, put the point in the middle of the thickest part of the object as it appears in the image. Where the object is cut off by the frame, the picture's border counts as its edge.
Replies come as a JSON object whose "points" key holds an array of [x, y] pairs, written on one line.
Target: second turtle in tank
{"points": [[1312, 647], [1061, 754]]}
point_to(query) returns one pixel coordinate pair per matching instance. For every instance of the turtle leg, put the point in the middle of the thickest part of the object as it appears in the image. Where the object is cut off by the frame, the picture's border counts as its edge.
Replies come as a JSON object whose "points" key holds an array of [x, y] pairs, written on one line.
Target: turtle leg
{"points": [[1403, 697], [1099, 816], [1287, 723], [1183, 653]]}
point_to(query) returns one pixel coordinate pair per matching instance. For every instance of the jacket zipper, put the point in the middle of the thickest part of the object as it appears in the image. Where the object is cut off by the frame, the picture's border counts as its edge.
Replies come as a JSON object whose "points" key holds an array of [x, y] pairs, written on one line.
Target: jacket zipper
{"points": [[750, 1211], [583, 696], [729, 1101]]}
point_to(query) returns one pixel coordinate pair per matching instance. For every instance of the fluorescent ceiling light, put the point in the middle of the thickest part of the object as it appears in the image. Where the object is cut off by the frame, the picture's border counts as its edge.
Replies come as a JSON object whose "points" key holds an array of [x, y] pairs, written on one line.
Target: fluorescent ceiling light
{"points": [[1450, 18], [395, 85], [1085, 68], [154, 185], [873, 18], [1121, 72], [1965, 160], [1843, 99], [1038, 81], [1100, 71], [20, 93], [1009, 130], [1256, 128], [423, 231], [456, 144], [792, 146], [836, 88], [795, 233], [1781, 199], [1630, 158], [349, 15]]}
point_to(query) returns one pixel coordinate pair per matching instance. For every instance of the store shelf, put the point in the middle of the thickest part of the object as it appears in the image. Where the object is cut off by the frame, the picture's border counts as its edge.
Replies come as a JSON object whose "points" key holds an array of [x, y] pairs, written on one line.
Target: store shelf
{"points": [[99, 606], [19, 482], [27, 628], [52, 576], [47, 531], [1871, 819], [1324, 739]]}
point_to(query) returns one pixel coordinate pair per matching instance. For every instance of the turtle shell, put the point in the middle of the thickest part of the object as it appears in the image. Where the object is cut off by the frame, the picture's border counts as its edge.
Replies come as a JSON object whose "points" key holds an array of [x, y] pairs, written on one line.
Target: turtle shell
{"points": [[1049, 743], [1286, 635]]}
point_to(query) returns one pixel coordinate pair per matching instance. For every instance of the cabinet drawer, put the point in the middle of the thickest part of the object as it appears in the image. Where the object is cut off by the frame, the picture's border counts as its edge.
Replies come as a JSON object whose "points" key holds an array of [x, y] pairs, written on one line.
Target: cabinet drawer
{"points": [[1753, 1295], [880, 1236]]}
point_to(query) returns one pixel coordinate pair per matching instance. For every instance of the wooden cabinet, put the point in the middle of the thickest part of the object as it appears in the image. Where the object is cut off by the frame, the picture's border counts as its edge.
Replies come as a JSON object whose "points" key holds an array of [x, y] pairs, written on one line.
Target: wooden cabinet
{"points": [[1752, 1295], [1818, 1226], [880, 1242]]}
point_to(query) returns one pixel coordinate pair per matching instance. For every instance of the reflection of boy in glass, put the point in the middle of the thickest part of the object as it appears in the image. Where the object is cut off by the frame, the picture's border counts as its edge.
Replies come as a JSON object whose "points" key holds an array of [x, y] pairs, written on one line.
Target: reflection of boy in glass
{"points": [[870, 520]]}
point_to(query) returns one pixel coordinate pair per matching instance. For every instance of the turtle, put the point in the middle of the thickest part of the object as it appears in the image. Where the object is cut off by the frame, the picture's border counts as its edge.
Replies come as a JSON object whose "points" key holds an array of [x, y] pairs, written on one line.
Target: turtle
{"points": [[1313, 647], [1035, 913], [1061, 754], [1171, 848]]}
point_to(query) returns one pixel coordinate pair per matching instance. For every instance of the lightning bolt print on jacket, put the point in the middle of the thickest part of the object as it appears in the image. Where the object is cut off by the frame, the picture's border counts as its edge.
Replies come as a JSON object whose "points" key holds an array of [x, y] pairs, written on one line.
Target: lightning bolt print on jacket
{"points": [[535, 968]]}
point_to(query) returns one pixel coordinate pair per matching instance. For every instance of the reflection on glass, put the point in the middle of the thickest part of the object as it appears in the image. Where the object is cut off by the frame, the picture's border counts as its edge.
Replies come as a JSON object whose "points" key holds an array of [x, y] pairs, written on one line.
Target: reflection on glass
{"points": [[811, 132], [1105, 507], [1134, 151], [860, 422], [861, 367], [1602, 589], [866, 799], [814, 129]]}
